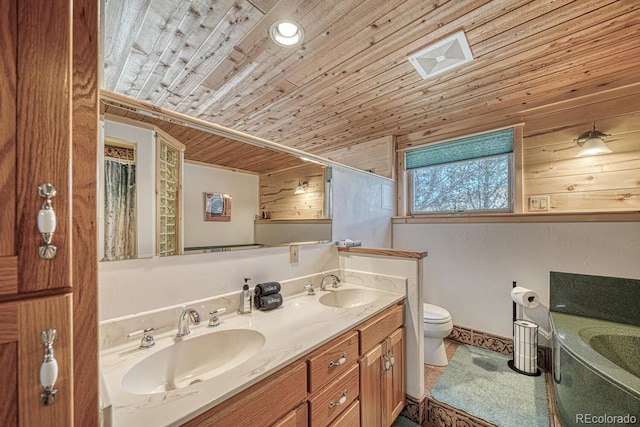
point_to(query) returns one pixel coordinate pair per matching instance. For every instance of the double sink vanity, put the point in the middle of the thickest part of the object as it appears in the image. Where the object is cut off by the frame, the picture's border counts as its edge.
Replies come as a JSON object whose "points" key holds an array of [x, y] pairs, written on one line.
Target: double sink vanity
{"points": [[326, 357]]}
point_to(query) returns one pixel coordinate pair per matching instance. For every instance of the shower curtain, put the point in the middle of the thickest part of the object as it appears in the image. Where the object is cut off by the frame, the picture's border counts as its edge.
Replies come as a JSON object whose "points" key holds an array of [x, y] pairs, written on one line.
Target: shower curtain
{"points": [[119, 209]]}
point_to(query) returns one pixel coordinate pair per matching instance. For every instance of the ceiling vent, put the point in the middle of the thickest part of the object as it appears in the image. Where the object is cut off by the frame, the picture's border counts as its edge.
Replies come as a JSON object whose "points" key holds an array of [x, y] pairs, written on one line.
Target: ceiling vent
{"points": [[442, 56]]}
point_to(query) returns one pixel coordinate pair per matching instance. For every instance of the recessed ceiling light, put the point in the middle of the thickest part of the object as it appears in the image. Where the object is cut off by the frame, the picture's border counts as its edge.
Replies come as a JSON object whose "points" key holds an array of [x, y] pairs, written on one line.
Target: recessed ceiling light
{"points": [[286, 33]]}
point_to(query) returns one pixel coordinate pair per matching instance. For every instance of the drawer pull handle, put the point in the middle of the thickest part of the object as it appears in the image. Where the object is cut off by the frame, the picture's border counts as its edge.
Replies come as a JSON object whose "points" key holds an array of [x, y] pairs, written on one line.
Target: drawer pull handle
{"points": [[340, 361], [387, 365], [392, 358], [49, 368], [340, 401]]}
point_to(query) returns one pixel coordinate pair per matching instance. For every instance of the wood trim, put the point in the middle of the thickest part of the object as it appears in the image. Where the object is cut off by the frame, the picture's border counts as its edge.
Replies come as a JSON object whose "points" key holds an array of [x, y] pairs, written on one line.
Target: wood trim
{"points": [[515, 218], [84, 233], [518, 188], [8, 275], [384, 252], [294, 221]]}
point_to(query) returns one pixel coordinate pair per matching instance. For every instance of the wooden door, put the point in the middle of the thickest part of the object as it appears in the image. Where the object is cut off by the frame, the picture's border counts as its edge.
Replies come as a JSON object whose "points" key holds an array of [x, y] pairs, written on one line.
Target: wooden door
{"points": [[371, 371], [394, 378]]}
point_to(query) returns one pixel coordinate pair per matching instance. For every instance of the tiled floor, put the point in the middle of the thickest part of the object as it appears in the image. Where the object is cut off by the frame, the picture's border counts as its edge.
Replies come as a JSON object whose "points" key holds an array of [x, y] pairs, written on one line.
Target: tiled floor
{"points": [[439, 414]]}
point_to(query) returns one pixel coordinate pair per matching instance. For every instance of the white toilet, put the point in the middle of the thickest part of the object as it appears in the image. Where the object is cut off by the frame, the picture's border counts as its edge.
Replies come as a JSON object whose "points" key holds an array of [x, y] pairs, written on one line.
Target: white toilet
{"points": [[437, 325]]}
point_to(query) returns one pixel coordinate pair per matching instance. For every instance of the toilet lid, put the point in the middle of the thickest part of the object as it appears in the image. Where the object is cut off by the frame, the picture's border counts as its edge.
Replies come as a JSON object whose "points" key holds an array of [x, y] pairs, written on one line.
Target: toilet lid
{"points": [[435, 314]]}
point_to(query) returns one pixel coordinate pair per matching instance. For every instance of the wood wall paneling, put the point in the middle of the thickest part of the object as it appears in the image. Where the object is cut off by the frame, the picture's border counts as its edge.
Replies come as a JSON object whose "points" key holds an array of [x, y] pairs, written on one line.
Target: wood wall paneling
{"points": [[278, 200], [586, 184], [375, 156]]}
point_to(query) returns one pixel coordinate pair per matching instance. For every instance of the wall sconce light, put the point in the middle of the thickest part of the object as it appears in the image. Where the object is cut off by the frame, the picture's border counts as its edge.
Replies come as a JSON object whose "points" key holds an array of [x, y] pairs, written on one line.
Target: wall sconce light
{"points": [[300, 189], [592, 143], [286, 33]]}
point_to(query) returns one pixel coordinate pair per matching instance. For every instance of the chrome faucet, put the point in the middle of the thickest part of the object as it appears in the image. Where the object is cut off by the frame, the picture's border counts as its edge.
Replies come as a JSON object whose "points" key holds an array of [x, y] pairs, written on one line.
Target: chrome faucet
{"points": [[335, 278], [188, 315]]}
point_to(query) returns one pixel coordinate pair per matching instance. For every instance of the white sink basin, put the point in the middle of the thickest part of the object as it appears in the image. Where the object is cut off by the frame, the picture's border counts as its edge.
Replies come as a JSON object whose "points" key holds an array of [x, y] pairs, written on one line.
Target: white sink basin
{"points": [[346, 298], [192, 361]]}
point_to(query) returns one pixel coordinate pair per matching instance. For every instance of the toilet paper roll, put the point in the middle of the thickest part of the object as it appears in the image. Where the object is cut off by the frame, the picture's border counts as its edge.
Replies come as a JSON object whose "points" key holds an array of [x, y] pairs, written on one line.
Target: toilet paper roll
{"points": [[525, 297]]}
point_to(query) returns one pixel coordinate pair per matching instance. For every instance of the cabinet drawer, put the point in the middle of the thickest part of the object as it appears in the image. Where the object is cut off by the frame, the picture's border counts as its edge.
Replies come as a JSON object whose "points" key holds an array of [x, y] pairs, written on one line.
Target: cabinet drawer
{"points": [[375, 330], [350, 417], [322, 408], [324, 363]]}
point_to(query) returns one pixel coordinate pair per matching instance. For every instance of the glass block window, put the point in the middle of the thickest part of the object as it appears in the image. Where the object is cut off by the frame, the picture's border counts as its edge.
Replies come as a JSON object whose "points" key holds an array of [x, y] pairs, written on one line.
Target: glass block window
{"points": [[169, 172]]}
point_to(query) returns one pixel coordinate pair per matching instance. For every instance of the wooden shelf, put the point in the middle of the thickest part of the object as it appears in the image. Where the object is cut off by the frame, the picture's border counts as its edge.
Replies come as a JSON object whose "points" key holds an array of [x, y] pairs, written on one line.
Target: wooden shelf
{"points": [[358, 250]]}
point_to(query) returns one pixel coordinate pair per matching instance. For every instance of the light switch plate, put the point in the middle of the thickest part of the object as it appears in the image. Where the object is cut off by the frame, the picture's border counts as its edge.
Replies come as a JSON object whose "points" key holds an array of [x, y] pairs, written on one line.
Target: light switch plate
{"points": [[293, 254], [538, 203]]}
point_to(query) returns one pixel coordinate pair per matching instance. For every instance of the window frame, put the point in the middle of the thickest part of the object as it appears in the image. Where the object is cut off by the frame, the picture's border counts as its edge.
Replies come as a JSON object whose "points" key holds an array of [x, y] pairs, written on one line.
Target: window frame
{"points": [[409, 179]]}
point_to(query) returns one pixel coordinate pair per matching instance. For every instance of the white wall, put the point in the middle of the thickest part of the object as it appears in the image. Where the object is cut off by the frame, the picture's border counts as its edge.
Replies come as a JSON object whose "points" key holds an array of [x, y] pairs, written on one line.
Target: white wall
{"points": [[362, 207], [144, 141], [242, 187], [275, 234], [470, 267], [133, 286]]}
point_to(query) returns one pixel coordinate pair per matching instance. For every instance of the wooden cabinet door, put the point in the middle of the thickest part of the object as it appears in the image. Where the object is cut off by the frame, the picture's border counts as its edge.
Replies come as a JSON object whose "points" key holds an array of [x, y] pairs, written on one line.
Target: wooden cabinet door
{"points": [[8, 46], [394, 378], [21, 355], [35, 141], [371, 369]]}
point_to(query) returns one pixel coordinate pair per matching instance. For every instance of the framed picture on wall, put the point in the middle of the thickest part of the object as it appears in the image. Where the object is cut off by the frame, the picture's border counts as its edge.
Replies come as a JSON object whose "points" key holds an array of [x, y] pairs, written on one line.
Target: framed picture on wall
{"points": [[217, 207]]}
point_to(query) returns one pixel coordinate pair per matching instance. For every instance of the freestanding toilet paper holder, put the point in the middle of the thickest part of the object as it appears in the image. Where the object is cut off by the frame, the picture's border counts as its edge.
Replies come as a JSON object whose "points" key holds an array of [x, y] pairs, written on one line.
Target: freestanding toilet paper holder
{"points": [[524, 351]]}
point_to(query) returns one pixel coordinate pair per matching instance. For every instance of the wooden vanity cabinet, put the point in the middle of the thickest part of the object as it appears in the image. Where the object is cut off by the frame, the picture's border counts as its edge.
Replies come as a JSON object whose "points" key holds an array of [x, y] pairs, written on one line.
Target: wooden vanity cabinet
{"points": [[382, 368], [308, 392], [276, 400]]}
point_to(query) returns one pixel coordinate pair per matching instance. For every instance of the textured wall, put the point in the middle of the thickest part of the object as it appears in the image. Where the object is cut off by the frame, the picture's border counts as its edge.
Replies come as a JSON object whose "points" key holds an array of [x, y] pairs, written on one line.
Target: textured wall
{"points": [[470, 267]]}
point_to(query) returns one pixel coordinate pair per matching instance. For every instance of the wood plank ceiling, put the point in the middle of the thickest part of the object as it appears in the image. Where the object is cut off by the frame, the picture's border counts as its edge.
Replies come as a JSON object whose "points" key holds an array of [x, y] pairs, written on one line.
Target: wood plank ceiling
{"points": [[350, 80]]}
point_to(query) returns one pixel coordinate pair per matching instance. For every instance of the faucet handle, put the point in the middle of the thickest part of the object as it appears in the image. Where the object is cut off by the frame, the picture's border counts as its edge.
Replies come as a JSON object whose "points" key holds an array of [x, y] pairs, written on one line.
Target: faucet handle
{"points": [[214, 320], [310, 290], [147, 340]]}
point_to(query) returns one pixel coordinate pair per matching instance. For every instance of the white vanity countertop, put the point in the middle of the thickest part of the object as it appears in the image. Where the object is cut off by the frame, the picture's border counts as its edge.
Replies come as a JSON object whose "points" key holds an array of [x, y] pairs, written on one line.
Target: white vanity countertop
{"points": [[298, 327]]}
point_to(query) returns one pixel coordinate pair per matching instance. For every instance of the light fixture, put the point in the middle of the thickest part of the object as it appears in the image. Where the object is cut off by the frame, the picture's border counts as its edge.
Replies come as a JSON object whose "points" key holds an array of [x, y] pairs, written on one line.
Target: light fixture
{"points": [[300, 189], [592, 143], [286, 33]]}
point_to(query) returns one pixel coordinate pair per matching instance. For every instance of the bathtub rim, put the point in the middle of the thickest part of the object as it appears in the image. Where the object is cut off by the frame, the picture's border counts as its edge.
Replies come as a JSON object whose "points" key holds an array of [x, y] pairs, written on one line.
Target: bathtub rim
{"points": [[566, 330]]}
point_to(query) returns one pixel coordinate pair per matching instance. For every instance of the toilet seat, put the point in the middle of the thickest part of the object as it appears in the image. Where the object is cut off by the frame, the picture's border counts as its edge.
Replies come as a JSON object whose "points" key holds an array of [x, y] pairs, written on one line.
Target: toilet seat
{"points": [[435, 315]]}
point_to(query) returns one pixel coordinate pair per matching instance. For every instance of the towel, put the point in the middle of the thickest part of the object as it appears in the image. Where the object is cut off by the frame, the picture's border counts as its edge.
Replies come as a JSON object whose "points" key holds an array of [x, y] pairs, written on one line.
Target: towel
{"points": [[268, 302], [267, 288]]}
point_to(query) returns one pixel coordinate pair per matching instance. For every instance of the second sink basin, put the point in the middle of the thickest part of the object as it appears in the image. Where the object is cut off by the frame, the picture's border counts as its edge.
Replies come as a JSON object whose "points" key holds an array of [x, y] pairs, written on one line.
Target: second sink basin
{"points": [[346, 298], [192, 360]]}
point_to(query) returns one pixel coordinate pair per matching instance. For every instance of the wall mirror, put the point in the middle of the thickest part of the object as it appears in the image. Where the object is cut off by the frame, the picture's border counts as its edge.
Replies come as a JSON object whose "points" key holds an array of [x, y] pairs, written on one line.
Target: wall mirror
{"points": [[167, 183]]}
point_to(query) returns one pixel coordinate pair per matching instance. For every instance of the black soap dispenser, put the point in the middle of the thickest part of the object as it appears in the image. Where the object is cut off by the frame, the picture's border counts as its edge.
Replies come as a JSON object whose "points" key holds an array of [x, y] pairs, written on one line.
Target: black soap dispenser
{"points": [[245, 298]]}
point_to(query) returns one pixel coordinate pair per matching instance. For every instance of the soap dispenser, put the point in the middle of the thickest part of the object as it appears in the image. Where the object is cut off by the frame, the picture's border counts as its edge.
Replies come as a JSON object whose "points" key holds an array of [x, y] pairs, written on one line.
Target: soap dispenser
{"points": [[245, 298]]}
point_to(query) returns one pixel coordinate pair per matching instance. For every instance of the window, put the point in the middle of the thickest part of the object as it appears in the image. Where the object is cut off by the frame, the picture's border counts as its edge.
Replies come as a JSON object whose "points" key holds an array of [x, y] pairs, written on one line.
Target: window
{"points": [[169, 195], [466, 175]]}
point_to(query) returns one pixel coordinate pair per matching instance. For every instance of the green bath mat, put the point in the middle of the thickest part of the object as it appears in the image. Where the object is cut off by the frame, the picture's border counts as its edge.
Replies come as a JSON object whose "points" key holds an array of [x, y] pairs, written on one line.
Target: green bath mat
{"points": [[480, 383]]}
